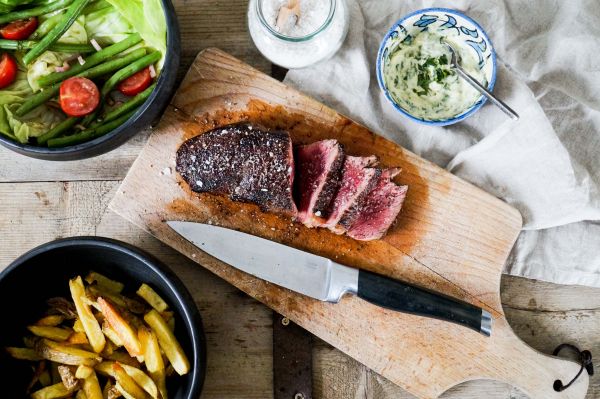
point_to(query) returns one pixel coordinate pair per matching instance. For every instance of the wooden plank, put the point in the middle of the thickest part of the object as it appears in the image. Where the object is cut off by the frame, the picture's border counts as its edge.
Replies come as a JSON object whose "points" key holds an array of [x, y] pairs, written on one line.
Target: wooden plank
{"points": [[239, 328], [451, 237], [202, 23]]}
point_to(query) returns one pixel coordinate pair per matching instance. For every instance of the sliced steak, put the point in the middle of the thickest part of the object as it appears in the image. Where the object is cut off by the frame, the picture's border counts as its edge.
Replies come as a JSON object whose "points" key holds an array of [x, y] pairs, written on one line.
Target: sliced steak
{"points": [[379, 209], [356, 182], [318, 170], [244, 162]]}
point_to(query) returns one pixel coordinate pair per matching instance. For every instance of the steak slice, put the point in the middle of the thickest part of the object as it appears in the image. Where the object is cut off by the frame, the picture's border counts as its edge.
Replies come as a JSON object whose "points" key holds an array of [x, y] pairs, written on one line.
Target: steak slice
{"points": [[318, 170], [357, 181], [379, 209], [244, 162]]}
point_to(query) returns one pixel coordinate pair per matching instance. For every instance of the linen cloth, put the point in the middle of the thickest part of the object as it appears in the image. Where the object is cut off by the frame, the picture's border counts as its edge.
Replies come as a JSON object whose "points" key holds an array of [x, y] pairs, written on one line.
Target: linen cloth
{"points": [[547, 164]]}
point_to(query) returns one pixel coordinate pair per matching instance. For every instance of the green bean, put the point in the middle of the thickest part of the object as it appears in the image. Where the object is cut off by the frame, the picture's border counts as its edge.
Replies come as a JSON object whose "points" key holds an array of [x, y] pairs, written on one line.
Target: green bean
{"points": [[89, 134], [128, 71], [34, 12], [57, 130], [20, 45], [92, 60], [41, 97], [130, 105], [70, 15], [45, 27]]}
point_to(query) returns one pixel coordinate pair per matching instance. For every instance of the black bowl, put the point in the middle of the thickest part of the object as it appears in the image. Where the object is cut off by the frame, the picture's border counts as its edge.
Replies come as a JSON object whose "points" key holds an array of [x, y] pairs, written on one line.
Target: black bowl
{"points": [[43, 273], [146, 115]]}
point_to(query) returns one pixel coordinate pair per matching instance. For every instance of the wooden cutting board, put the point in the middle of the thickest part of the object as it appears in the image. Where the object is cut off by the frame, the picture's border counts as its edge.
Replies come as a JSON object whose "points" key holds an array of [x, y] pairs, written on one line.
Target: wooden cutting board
{"points": [[450, 237]]}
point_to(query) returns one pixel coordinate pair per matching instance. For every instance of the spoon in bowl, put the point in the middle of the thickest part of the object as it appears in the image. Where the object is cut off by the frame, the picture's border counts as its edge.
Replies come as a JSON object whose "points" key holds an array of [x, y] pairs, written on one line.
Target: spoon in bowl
{"points": [[455, 63]]}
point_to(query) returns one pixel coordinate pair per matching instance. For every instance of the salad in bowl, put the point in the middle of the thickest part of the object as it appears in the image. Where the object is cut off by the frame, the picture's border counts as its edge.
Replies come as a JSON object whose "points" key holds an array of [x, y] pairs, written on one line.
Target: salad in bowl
{"points": [[72, 71]]}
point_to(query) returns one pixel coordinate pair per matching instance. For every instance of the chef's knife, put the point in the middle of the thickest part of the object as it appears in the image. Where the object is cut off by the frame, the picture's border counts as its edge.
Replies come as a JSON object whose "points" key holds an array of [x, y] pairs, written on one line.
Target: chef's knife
{"points": [[325, 280]]}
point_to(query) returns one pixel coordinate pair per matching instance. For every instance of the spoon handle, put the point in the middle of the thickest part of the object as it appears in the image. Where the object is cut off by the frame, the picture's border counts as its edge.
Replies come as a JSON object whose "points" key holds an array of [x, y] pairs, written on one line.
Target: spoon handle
{"points": [[505, 108]]}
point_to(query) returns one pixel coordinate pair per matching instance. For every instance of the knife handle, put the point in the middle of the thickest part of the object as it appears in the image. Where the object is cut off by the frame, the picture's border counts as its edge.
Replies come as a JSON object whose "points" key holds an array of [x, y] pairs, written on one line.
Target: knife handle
{"points": [[402, 297]]}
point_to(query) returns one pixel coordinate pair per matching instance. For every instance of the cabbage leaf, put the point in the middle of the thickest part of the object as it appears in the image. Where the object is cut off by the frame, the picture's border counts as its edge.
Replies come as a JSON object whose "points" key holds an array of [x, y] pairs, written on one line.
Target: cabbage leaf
{"points": [[107, 26], [148, 19]]}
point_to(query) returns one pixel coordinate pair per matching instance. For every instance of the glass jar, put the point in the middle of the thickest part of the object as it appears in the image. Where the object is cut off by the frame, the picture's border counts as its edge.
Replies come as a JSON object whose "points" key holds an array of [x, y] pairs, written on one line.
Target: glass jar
{"points": [[302, 50]]}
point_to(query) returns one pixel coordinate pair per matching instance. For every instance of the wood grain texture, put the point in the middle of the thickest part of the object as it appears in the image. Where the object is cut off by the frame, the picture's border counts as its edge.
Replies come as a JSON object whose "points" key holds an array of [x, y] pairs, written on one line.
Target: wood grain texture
{"points": [[239, 328], [451, 237]]}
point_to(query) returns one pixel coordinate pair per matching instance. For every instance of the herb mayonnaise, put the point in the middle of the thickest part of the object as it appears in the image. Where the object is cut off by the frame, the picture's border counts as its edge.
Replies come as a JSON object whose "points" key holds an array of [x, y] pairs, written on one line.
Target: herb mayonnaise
{"points": [[420, 79]]}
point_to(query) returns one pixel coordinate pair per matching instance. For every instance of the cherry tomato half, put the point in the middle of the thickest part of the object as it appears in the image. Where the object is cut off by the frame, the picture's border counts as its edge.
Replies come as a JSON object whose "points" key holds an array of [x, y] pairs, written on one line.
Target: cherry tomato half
{"points": [[8, 70], [136, 83], [78, 96], [19, 30]]}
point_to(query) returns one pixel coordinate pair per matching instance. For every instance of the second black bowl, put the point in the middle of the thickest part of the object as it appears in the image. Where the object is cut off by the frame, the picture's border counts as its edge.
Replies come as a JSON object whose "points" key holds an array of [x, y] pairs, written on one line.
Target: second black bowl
{"points": [[146, 115], [44, 272]]}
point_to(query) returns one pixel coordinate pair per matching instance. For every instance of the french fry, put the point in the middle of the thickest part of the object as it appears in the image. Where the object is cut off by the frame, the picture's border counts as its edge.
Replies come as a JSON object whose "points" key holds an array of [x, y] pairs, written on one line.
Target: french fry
{"points": [[29, 341], [78, 326], [91, 387], [60, 305], [68, 377], [128, 383], [123, 392], [104, 282], [110, 391], [83, 372], [56, 352], [23, 354], [153, 299], [168, 342], [78, 338], [123, 358], [123, 330], [53, 333], [153, 359], [50, 321], [56, 391], [111, 334], [140, 378], [80, 394], [89, 322]]}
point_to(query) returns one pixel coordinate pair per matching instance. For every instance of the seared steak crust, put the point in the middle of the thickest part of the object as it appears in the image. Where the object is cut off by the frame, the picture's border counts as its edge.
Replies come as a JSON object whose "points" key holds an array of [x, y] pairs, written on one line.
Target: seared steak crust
{"points": [[245, 162]]}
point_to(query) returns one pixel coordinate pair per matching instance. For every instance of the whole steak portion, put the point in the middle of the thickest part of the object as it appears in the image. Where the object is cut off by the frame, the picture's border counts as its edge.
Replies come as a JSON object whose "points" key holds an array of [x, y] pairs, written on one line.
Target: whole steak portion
{"points": [[244, 162]]}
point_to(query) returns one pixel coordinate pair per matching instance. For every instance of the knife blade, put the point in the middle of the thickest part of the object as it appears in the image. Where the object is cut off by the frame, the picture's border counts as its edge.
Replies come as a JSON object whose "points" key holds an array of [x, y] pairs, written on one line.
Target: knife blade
{"points": [[323, 279]]}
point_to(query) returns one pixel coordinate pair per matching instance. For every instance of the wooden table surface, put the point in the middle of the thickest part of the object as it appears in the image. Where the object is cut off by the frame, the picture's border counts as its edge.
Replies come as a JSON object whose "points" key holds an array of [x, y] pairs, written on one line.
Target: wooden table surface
{"points": [[41, 201]]}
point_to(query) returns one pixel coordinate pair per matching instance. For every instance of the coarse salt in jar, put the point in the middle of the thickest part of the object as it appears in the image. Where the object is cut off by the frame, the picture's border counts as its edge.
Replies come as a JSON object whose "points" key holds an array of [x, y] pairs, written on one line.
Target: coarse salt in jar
{"points": [[298, 33]]}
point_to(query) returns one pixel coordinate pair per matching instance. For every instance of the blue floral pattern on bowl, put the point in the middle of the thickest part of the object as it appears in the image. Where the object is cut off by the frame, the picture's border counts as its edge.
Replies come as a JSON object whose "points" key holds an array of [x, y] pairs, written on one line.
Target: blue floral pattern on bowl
{"points": [[467, 31]]}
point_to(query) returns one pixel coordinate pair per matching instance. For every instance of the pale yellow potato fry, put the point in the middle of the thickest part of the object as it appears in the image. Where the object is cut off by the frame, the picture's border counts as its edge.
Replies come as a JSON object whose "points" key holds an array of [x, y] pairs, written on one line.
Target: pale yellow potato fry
{"points": [[68, 377], [56, 391], [53, 333], [91, 387], [153, 359], [111, 334], [80, 394], [90, 324], [141, 379], [51, 321], [78, 338], [83, 372], [168, 342], [78, 326], [105, 282], [121, 327], [24, 353], [110, 391], [56, 352], [123, 392], [123, 358], [153, 299], [128, 383], [29, 341]]}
